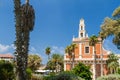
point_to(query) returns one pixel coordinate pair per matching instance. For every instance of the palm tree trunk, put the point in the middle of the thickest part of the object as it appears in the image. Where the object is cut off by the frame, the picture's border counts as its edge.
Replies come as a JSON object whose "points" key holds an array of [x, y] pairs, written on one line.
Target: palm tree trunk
{"points": [[18, 42], [70, 63], [48, 57], [73, 57], [56, 66], [101, 59], [94, 62], [25, 48], [24, 16]]}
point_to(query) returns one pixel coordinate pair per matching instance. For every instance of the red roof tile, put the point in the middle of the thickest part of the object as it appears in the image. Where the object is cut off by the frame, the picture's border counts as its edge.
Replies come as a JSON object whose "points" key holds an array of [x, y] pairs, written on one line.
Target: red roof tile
{"points": [[6, 55]]}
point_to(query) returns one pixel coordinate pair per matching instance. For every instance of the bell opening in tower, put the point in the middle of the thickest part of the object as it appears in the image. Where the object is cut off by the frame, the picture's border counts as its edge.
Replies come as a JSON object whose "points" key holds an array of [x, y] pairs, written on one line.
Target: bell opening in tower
{"points": [[81, 34]]}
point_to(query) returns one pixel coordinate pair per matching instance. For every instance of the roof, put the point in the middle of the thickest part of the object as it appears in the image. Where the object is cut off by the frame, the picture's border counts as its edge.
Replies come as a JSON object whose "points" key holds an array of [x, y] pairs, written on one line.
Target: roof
{"points": [[42, 71], [6, 55]]}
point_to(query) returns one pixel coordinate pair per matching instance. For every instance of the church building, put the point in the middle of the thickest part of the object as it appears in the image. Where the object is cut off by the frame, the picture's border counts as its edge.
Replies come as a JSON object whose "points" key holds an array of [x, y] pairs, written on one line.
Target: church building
{"points": [[85, 53]]}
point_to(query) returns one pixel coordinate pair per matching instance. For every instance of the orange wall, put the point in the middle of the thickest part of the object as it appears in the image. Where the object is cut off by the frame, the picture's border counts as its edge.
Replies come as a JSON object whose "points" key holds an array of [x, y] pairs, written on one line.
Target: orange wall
{"points": [[68, 67], [98, 47], [89, 55], [77, 51]]}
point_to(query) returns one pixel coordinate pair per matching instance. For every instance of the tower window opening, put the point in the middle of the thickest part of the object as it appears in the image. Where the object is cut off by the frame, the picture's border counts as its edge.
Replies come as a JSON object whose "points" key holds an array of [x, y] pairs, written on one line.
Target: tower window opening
{"points": [[81, 27], [81, 34]]}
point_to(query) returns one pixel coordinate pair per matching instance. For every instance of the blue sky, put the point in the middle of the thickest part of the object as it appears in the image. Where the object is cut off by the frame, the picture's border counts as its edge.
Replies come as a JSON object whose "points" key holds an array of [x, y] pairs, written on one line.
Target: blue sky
{"points": [[55, 24]]}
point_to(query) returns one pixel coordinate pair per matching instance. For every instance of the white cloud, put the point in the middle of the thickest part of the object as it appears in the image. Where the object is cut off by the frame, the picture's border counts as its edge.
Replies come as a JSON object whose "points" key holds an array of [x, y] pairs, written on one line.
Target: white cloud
{"points": [[56, 49], [32, 49], [5, 48]]}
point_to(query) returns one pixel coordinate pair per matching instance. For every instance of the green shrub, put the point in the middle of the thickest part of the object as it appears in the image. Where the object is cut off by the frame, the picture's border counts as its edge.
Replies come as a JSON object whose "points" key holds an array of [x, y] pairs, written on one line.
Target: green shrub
{"points": [[82, 71], [29, 73], [37, 77], [6, 70], [118, 71], [63, 76], [110, 77]]}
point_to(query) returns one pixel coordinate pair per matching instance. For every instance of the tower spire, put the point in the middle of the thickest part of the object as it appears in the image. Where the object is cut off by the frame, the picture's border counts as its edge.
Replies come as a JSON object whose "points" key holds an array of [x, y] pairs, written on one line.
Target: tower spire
{"points": [[27, 1], [82, 32]]}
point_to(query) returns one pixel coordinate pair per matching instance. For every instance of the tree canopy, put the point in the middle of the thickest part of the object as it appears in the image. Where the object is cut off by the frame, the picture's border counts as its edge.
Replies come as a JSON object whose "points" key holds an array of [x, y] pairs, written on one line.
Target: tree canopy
{"points": [[34, 61], [112, 63], [55, 63], [93, 40], [6, 70], [111, 26], [82, 71], [70, 51], [48, 51]]}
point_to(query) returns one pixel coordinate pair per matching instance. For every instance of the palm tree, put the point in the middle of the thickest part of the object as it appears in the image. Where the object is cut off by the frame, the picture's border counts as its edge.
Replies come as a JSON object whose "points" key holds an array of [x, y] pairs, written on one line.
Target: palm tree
{"points": [[18, 42], [112, 63], [24, 17], [58, 60], [27, 21], [48, 51], [70, 51], [93, 40], [55, 63]]}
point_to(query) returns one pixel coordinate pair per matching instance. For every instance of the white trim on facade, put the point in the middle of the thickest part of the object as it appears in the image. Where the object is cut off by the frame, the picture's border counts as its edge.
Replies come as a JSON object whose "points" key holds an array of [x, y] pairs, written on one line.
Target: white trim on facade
{"points": [[64, 66], [80, 51]]}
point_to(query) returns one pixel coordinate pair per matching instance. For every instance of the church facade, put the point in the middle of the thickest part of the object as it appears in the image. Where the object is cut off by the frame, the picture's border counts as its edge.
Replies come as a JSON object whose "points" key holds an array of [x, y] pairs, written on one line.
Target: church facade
{"points": [[85, 53]]}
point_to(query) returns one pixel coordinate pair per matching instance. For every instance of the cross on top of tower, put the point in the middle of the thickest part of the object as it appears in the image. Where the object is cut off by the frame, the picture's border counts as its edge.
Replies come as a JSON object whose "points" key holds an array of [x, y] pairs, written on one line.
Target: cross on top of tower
{"points": [[81, 21], [27, 1]]}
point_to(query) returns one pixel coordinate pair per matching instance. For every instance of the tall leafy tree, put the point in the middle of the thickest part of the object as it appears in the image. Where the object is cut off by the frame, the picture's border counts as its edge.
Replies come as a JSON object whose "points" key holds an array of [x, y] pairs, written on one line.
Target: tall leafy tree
{"points": [[48, 51], [24, 17], [70, 51], [34, 61], [82, 71], [111, 26], [112, 63], [93, 40]]}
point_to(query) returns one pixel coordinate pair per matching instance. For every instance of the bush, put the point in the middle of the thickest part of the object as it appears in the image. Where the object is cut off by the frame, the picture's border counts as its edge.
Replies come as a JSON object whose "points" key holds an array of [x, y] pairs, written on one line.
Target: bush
{"points": [[6, 70], [37, 77], [63, 76], [110, 77], [29, 73], [118, 71], [82, 71]]}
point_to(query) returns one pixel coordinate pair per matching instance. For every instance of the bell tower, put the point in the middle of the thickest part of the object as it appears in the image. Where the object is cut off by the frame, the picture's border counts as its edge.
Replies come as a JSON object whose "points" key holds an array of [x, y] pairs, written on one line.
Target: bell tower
{"points": [[82, 31]]}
